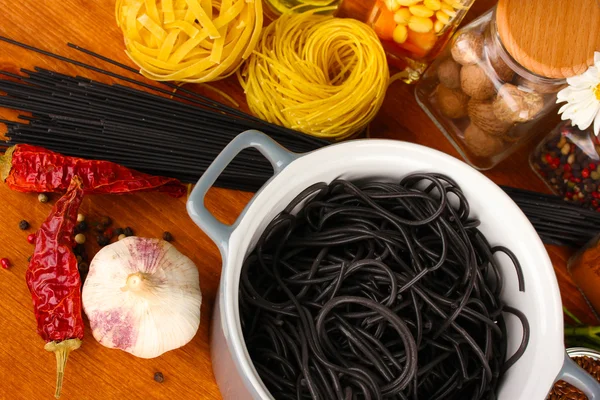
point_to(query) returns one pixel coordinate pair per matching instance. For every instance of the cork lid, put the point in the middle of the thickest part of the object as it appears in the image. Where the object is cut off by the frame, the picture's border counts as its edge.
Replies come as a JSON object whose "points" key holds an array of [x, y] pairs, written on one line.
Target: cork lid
{"points": [[555, 38]]}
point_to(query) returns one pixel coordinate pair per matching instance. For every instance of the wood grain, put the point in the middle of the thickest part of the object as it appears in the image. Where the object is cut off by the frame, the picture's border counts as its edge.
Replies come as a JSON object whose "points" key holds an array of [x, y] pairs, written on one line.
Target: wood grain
{"points": [[95, 372], [555, 39]]}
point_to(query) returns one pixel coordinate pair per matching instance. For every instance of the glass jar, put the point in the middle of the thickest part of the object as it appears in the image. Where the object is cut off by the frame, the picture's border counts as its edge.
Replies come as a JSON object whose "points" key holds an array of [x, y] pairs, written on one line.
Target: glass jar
{"points": [[485, 103], [412, 32], [584, 268], [568, 160]]}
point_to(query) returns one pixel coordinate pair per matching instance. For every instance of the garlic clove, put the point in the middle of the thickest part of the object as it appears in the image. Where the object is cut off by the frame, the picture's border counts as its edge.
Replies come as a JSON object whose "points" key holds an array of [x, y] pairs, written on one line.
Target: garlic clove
{"points": [[142, 296]]}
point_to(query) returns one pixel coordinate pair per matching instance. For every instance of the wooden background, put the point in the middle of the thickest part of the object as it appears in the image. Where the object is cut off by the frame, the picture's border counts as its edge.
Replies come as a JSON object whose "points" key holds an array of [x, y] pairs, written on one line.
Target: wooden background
{"points": [[94, 372]]}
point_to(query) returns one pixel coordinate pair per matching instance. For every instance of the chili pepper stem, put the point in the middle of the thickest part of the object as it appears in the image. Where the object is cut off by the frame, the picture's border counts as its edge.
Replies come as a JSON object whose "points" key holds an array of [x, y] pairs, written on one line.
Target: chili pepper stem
{"points": [[6, 163], [62, 350]]}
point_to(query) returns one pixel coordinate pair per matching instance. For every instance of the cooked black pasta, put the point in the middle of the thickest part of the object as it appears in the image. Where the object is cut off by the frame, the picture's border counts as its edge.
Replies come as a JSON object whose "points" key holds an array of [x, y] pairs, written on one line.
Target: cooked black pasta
{"points": [[377, 291]]}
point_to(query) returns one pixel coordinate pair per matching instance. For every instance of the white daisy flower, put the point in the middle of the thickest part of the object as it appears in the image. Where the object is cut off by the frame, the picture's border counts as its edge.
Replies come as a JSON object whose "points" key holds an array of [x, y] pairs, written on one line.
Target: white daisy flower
{"points": [[583, 98]]}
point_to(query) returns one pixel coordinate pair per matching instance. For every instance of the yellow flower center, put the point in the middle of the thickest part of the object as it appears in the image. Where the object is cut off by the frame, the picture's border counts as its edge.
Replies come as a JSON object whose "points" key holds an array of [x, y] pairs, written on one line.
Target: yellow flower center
{"points": [[597, 91]]}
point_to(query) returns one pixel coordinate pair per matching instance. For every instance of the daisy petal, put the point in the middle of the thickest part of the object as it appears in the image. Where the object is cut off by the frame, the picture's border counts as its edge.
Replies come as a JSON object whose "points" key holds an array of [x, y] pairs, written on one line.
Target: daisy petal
{"points": [[563, 108], [585, 117], [597, 123]]}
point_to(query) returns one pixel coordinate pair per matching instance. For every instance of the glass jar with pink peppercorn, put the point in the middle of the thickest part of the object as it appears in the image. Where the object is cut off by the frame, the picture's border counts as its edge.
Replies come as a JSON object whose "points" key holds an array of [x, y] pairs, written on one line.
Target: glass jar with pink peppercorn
{"points": [[568, 160], [413, 32]]}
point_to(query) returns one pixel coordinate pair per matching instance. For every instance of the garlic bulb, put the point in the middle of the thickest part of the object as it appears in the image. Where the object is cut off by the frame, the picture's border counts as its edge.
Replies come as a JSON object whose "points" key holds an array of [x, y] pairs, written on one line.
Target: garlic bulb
{"points": [[142, 296]]}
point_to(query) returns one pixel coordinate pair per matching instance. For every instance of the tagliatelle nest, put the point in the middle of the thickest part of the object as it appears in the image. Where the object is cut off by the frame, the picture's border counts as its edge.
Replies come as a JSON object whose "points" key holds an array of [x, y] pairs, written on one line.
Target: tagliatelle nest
{"points": [[189, 40]]}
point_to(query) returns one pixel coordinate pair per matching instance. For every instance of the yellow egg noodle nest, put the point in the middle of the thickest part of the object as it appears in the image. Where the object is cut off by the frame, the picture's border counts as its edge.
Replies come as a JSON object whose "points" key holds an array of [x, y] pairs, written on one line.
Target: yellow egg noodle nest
{"points": [[317, 74], [189, 40]]}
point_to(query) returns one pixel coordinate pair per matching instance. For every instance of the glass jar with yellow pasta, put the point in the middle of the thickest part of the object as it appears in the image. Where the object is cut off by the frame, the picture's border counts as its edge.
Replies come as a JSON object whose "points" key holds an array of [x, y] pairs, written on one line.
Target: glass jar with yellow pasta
{"points": [[413, 32]]}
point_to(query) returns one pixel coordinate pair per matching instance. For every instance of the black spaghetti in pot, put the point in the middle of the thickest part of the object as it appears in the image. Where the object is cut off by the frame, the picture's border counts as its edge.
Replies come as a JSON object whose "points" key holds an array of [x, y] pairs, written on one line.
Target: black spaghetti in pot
{"points": [[377, 291]]}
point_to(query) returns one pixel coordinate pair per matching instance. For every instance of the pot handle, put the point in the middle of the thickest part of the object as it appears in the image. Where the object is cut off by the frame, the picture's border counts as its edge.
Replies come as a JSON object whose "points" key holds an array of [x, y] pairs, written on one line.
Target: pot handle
{"points": [[273, 151], [578, 377]]}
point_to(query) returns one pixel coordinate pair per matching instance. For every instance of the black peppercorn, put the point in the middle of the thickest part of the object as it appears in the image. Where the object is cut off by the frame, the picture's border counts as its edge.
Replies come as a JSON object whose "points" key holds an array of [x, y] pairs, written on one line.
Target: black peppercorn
{"points": [[167, 236], [83, 267], [23, 225], [159, 377], [118, 231], [78, 249], [102, 240], [100, 227], [128, 231], [81, 227], [29, 259], [106, 221]]}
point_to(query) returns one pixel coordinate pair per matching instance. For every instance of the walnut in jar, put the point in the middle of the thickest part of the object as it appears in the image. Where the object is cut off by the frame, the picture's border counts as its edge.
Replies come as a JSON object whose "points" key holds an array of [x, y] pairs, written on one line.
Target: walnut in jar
{"points": [[481, 113], [452, 102], [449, 73], [480, 143], [467, 48], [515, 105], [475, 82]]}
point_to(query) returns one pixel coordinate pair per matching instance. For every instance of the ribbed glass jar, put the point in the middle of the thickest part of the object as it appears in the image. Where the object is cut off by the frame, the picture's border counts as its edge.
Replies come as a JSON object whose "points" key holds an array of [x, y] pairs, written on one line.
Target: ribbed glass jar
{"points": [[482, 99], [413, 32]]}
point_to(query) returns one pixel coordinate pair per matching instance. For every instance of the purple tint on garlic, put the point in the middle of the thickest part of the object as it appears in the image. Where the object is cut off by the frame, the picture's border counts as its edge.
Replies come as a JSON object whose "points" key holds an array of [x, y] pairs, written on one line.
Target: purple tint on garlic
{"points": [[146, 254], [114, 328]]}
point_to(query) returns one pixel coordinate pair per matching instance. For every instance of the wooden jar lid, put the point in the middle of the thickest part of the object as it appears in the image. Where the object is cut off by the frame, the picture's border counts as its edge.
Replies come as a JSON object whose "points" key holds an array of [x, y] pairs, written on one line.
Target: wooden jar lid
{"points": [[552, 38]]}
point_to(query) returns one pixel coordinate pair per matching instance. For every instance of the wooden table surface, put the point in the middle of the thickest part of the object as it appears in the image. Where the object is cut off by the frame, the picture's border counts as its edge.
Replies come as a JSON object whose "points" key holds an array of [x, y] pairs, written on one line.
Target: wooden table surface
{"points": [[27, 371]]}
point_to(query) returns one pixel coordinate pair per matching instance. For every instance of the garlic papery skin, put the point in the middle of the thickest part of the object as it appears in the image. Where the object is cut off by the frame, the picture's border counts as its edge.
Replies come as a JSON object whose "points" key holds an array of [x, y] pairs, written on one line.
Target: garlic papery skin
{"points": [[142, 296]]}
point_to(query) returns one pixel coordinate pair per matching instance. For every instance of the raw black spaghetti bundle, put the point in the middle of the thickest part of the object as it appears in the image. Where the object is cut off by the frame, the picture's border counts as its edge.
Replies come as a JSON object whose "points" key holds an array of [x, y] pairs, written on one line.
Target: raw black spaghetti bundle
{"points": [[558, 222], [377, 291], [177, 137]]}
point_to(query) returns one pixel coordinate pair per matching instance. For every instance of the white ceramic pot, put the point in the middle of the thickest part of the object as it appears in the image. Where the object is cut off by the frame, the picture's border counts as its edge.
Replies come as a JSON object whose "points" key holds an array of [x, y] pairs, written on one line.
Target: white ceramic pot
{"points": [[502, 222]]}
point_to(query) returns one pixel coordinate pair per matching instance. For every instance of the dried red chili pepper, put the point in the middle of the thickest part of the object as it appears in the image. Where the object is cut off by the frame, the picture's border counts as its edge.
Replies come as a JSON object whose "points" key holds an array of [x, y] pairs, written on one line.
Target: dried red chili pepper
{"points": [[54, 283], [27, 168]]}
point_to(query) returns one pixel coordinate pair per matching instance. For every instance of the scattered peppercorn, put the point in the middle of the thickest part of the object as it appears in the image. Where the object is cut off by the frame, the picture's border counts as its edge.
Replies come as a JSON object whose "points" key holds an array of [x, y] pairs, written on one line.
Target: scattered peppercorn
{"points": [[83, 267], [80, 238], [119, 231], [79, 259], [31, 238], [128, 231], [80, 217], [5, 263], [100, 227], [29, 259], [102, 240], [43, 198], [167, 236], [23, 225], [81, 227], [159, 377], [121, 236], [106, 221], [108, 233]]}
